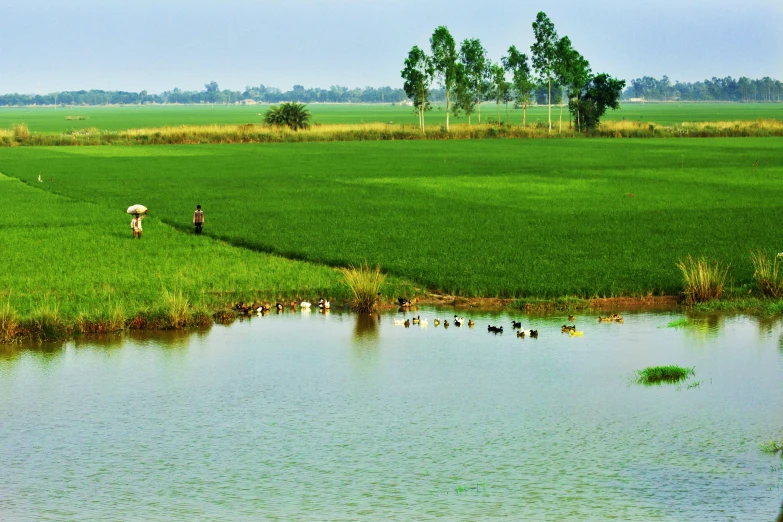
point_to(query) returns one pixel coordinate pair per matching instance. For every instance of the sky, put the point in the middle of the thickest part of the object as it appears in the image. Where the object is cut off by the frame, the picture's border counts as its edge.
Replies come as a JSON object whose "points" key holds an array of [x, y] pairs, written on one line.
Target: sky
{"points": [[156, 45]]}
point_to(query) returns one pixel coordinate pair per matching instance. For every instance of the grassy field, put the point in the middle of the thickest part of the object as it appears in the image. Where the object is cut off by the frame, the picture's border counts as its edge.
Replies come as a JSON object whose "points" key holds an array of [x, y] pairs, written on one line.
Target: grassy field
{"points": [[46, 119], [478, 218], [71, 258]]}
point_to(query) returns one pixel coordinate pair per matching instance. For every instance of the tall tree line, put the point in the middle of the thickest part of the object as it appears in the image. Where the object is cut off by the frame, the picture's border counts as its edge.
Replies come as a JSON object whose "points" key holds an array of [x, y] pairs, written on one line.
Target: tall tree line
{"points": [[212, 94], [468, 76], [742, 89]]}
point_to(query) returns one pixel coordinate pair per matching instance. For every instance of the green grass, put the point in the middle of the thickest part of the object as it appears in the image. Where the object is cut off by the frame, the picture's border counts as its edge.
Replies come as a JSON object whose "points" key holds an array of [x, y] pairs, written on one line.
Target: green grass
{"points": [[46, 119], [663, 374], [505, 218], [69, 265], [773, 446], [679, 323]]}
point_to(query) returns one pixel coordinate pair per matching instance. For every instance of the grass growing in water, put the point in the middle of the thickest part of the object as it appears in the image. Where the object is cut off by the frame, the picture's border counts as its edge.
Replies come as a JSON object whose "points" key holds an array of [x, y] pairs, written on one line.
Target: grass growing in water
{"points": [[663, 374], [679, 323], [766, 274], [176, 309], [773, 446], [703, 280], [365, 284], [9, 323]]}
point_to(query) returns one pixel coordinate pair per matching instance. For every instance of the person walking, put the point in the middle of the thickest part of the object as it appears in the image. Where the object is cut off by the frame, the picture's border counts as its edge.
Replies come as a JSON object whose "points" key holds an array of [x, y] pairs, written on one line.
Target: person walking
{"points": [[136, 225], [198, 219]]}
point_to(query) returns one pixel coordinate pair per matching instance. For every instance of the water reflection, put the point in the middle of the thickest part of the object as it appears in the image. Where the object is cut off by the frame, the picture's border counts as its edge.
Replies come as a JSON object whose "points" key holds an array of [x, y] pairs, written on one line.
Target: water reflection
{"points": [[366, 327]]}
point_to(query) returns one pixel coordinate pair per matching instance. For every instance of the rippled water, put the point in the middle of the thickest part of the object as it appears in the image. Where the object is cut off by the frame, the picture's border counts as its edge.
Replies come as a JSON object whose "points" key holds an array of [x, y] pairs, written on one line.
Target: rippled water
{"points": [[306, 416]]}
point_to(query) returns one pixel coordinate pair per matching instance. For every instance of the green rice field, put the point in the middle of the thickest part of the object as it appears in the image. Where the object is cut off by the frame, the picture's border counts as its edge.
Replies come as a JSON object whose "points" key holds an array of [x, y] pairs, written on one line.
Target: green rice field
{"points": [[46, 119], [509, 218]]}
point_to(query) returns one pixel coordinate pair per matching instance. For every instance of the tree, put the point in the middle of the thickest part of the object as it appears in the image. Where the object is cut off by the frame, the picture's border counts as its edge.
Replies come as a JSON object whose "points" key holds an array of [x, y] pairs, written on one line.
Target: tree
{"points": [[522, 84], [545, 54], [465, 102], [418, 74], [444, 60], [474, 59], [290, 114], [500, 87], [600, 93], [572, 71], [212, 91]]}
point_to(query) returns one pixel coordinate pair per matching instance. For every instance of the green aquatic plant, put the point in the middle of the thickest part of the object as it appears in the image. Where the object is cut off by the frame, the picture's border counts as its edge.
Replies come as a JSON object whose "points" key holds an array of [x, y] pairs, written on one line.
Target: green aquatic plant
{"points": [[175, 308], [663, 374], [773, 446], [678, 323]]}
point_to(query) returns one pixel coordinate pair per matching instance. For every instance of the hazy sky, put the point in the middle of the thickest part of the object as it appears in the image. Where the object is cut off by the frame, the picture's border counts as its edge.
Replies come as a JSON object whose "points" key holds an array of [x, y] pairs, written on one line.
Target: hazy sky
{"points": [[161, 44]]}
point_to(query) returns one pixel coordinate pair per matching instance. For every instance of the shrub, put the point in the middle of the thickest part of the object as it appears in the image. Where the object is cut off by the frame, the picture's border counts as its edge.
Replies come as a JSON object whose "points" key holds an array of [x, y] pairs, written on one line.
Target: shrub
{"points": [[766, 274], [290, 114], [703, 281], [365, 285]]}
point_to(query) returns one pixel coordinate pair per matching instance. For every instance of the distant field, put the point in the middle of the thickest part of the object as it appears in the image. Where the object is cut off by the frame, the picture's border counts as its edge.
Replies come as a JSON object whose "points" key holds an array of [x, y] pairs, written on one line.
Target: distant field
{"points": [[490, 217], [46, 119]]}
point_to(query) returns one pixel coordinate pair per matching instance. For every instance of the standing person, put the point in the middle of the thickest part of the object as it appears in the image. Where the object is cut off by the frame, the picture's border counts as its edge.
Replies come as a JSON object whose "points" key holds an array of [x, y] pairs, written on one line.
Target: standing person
{"points": [[198, 219], [136, 225]]}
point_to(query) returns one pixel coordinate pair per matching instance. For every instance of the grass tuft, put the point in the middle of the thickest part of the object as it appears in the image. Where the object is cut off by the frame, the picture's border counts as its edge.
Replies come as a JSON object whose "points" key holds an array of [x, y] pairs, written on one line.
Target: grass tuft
{"points": [[365, 284], [45, 321], [679, 323], [661, 374], [21, 132], [766, 274], [9, 323], [703, 281], [176, 309]]}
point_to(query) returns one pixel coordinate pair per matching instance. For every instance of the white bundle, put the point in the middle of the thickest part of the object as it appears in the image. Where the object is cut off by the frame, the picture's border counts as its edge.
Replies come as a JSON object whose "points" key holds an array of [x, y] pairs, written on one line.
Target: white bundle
{"points": [[137, 209]]}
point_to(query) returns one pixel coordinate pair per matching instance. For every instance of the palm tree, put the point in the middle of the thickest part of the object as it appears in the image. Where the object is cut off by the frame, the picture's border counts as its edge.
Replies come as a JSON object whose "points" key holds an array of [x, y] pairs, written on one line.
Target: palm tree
{"points": [[290, 114]]}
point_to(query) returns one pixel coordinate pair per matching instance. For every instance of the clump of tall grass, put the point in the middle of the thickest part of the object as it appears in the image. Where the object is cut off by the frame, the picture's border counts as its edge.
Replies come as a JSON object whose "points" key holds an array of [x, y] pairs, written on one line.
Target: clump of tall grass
{"points": [[365, 284], [662, 374], [703, 281], [46, 322], [175, 309], [21, 132], [9, 323], [766, 274]]}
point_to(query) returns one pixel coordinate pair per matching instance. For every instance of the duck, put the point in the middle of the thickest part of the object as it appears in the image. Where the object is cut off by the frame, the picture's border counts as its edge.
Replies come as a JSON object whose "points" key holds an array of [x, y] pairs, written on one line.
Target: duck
{"points": [[407, 323], [571, 318], [323, 303], [471, 323], [304, 304], [516, 324], [398, 322], [436, 322], [603, 319], [404, 301], [263, 307], [566, 328], [495, 329], [458, 321], [445, 323], [279, 307], [423, 323], [534, 334], [521, 333], [578, 333], [416, 319]]}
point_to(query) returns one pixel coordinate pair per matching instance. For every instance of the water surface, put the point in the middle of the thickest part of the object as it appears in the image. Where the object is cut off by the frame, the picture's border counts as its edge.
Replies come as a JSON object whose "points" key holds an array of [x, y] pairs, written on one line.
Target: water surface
{"points": [[311, 416]]}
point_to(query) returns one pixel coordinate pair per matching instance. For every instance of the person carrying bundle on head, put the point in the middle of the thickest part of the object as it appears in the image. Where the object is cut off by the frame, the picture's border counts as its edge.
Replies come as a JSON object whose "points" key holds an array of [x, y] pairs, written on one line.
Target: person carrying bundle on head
{"points": [[198, 219], [136, 225]]}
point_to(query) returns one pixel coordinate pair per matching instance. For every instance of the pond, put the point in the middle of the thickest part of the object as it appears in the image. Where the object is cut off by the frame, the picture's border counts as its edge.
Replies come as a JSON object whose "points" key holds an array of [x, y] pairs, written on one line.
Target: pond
{"points": [[313, 416]]}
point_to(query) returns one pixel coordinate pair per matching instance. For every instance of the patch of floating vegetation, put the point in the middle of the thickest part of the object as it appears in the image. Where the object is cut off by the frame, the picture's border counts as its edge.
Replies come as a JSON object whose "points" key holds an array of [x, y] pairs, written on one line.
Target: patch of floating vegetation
{"points": [[663, 374], [679, 323], [773, 446]]}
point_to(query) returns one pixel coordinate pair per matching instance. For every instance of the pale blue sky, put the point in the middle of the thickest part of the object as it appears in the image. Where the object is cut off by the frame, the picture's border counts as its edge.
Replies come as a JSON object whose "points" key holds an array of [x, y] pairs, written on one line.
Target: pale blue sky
{"points": [[158, 45]]}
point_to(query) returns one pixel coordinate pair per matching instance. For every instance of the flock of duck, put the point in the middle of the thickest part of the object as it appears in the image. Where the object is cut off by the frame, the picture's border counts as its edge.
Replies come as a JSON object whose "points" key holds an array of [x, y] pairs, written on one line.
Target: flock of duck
{"points": [[515, 325], [263, 308]]}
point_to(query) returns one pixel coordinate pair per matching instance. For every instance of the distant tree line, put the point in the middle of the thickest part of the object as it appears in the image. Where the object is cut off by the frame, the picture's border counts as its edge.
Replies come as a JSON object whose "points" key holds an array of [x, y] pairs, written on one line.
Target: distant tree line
{"points": [[212, 94], [717, 89], [468, 77]]}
